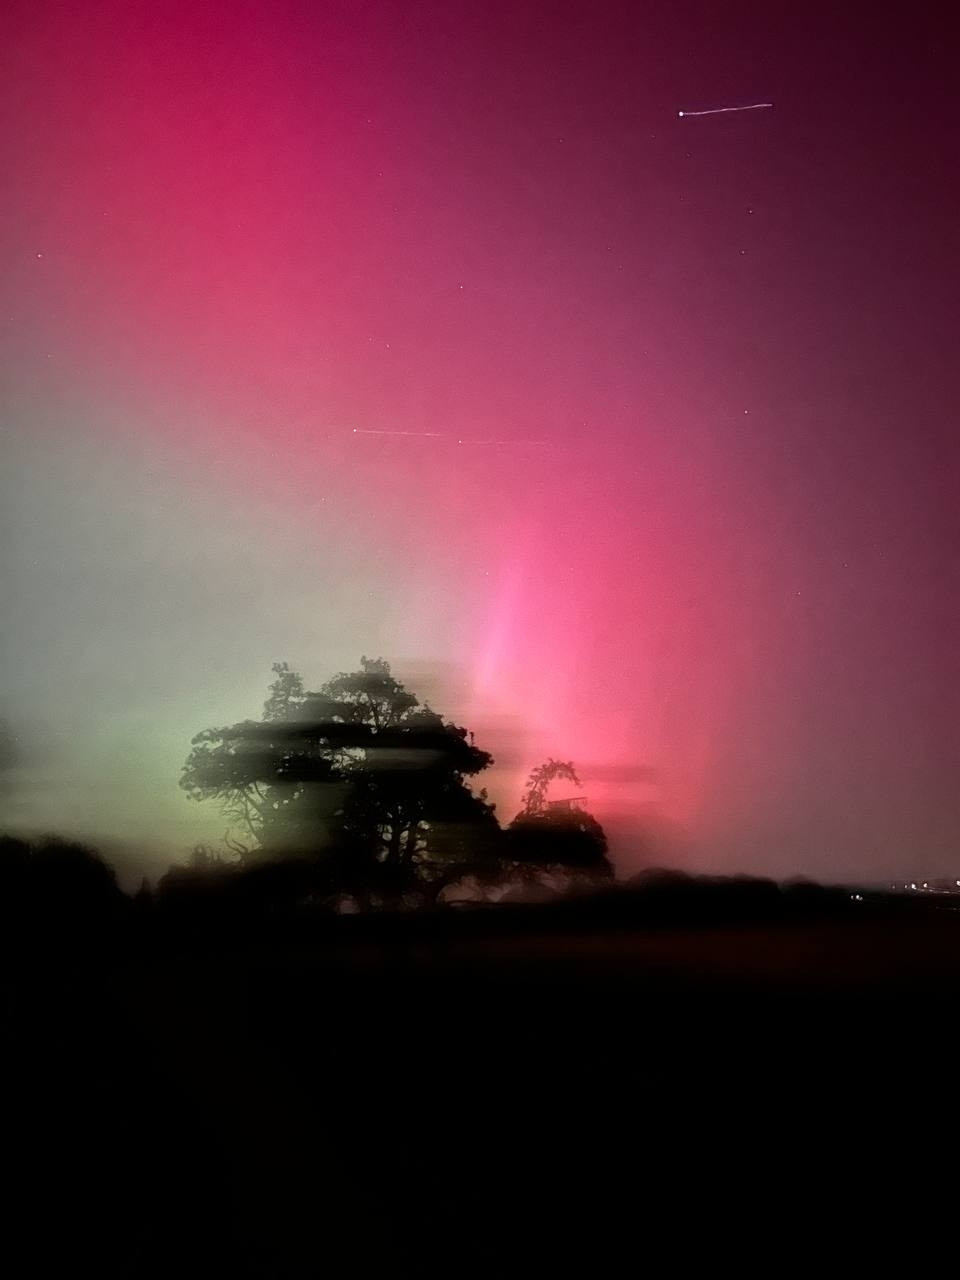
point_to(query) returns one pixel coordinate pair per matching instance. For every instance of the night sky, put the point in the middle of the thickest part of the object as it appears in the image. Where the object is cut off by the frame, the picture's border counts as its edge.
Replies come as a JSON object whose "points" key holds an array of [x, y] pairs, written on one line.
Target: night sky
{"points": [[701, 532]]}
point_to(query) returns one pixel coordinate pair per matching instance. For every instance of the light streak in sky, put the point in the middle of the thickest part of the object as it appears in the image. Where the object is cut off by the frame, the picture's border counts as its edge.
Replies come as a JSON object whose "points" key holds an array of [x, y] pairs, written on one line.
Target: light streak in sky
{"points": [[430, 435], [539, 444], [719, 111], [440, 435]]}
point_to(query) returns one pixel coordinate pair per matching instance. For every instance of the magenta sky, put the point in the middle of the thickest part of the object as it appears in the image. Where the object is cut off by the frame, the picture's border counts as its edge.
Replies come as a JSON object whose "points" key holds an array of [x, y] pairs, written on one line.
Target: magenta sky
{"points": [[232, 233]]}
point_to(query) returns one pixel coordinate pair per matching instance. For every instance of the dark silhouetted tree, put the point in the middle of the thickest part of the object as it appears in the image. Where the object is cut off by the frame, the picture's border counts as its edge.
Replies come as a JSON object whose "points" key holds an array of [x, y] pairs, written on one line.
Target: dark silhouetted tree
{"points": [[558, 837], [360, 777], [534, 799]]}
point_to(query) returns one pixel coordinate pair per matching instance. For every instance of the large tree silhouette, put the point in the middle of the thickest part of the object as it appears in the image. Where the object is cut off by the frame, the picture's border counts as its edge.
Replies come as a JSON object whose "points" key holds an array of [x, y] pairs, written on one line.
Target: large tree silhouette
{"points": [[359, 776]]}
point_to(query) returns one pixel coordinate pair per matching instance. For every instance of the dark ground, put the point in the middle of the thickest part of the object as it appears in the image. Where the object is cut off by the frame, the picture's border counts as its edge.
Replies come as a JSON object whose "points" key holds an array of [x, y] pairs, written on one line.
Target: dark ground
{"points": [[464, 1097]]}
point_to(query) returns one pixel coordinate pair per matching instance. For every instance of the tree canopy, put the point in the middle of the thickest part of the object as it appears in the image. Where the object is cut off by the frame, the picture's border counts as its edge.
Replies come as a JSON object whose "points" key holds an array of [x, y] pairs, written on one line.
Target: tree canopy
{"points": [[557, 834], [358, 775]]}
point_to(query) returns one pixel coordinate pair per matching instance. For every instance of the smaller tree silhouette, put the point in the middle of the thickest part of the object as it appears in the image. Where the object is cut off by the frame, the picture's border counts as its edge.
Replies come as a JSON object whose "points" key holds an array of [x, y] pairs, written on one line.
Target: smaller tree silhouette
{"points": [[559, 837], [534, 799]]}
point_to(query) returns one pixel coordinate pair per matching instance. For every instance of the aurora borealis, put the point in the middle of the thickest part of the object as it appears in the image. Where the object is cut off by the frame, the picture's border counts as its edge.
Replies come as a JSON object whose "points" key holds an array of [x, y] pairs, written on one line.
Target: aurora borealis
{"points": [[721, 579]]}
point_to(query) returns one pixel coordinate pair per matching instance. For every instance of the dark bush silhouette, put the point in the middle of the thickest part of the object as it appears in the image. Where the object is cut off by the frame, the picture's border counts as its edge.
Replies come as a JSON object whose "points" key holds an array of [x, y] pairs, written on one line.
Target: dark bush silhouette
{"points": [[660, 877], [71, 874], [15, 858], [561, 839], [53, 886]]}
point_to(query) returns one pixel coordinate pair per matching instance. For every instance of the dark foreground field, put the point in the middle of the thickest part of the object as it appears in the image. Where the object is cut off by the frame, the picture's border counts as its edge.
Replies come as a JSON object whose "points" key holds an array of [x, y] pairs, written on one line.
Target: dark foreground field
{"points": [[473, 1097]]}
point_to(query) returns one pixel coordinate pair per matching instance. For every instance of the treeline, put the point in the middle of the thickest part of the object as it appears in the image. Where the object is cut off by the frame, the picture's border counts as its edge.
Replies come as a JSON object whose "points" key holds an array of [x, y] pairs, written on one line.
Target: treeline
{"points": [[54, 889], [273, 899]]}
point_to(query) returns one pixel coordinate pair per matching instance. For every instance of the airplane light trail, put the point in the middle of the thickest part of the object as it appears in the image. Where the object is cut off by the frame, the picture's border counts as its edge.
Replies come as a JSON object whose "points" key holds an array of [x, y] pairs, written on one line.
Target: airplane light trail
{"points": [[440, 435], [719, 111], [431, 435]]}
